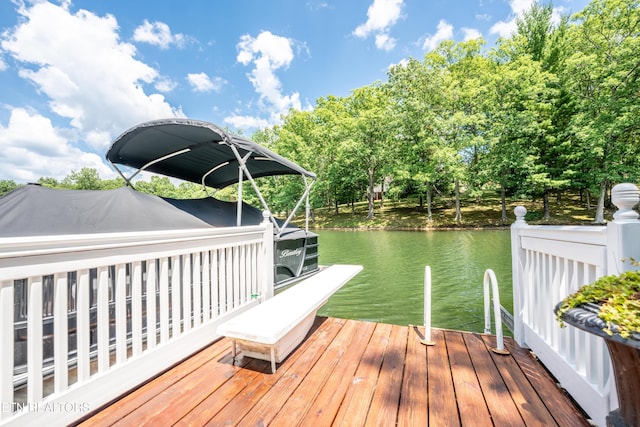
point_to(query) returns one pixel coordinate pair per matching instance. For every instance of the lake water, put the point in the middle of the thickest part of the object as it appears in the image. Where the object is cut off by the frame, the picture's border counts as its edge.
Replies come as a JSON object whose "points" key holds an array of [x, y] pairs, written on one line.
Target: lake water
{"points": [[390, 289]]}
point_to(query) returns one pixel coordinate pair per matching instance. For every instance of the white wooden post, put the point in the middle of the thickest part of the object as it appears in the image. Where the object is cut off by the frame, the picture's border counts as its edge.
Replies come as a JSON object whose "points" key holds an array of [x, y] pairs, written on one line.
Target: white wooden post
{"points": [[103, 319], [6, 352], [83, 336], [136, 307], [517, 261], [61, 325], [162, 282], [623, 233], [267, 260], [175, 296], [121, 312], [34, 341]]}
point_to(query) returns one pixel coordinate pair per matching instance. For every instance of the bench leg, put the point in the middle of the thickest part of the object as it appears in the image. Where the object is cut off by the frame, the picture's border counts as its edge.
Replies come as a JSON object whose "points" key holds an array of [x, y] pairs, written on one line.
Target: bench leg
{"points": [[234, 351], [273, 360]]}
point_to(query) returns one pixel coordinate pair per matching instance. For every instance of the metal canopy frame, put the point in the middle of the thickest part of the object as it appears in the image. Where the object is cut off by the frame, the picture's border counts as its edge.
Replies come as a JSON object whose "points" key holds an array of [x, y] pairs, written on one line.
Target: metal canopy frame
{"points": [[201, 152]]}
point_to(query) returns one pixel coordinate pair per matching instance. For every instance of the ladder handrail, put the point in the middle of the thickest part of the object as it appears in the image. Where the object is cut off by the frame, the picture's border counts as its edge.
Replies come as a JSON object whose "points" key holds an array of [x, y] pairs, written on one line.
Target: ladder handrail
{"points": [[490, 279], [427, 306]]}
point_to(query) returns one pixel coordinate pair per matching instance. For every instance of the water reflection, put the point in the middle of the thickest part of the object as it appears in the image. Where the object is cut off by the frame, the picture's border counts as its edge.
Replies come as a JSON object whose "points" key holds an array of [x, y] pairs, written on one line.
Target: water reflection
{"points": [[390, 289]]}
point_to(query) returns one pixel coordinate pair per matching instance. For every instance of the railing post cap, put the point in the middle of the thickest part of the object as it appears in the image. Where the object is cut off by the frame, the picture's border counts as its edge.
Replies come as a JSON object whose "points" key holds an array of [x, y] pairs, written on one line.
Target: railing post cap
{"points": [[520, 212], [266, 216], [625, 196]]}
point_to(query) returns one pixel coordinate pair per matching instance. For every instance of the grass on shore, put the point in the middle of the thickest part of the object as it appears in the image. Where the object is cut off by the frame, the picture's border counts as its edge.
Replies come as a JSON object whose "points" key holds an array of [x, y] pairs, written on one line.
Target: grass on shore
{"points": [[485, 212]]}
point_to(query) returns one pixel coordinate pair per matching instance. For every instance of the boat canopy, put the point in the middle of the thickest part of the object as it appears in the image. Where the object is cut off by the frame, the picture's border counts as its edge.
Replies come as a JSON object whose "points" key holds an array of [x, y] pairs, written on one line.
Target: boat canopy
{"points": [[33, 210], [196, 151], [203, 153]]}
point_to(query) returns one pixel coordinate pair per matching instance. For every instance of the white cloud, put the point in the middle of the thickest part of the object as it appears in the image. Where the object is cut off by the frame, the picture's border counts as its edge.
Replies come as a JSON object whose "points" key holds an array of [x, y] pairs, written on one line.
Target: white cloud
{"points": [[444, 32], [165, 84], [247, 122], [508, 27], [268, 53], [381, 16], [384, 42], [503, 28], [557, 14], [201, 82], [471, 34], [3, 65], [88, 74], [157, 34], [518, 9], [402, 63], [31, 148]]}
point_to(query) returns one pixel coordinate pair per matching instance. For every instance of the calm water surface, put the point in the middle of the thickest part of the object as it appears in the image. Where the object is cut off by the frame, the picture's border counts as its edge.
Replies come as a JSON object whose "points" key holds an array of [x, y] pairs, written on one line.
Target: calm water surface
{"points": [[390, 289]]}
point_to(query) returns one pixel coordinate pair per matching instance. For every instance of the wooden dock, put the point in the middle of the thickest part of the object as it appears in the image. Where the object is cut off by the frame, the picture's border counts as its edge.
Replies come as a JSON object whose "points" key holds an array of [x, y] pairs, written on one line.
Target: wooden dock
{"points": [[354, 373]]}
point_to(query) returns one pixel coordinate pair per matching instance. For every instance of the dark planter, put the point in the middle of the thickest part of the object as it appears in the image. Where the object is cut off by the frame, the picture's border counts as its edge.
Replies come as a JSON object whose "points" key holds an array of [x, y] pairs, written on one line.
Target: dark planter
{"points": [[625, 358]]}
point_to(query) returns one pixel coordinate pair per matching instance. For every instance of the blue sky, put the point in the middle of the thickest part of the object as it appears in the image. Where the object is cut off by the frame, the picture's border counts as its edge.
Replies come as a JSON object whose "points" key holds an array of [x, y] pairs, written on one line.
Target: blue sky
{"points": [[76, 74]]}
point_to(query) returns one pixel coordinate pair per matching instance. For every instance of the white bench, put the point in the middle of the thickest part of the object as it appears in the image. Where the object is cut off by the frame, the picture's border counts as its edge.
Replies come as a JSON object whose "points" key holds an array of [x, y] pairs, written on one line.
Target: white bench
{"points": [[272, 329]]}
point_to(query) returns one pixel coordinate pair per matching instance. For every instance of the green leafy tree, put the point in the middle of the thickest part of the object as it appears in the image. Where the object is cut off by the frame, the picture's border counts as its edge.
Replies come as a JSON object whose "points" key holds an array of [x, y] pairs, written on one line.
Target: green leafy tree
{"points": [[84, 179], [543, 43], [458, 117], [159, 186], [49, 182], [297, 138], [369, 111], [465, 138], [513, 162], [191, 190], [415, 90], [7, 185], [603, 74], [340, 177], [110, 184]]}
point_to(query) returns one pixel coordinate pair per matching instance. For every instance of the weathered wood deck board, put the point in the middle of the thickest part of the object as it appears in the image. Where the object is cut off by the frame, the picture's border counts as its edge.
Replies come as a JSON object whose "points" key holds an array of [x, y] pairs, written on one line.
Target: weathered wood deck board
{"points": [[355, 404], [414, 387], [146, 393], [529, 404], [324, 408], [558, 404], [440, 383], [353, 373], [466, 382]]}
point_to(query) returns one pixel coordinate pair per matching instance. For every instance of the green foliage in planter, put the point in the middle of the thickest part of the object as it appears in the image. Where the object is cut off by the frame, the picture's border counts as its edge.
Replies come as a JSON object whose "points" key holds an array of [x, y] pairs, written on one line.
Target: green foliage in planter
{"points": [[618, 297]]}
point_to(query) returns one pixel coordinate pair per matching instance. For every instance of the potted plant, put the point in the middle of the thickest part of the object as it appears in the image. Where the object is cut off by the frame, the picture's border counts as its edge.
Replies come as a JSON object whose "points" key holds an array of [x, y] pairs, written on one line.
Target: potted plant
{"points": [[610, 308]]}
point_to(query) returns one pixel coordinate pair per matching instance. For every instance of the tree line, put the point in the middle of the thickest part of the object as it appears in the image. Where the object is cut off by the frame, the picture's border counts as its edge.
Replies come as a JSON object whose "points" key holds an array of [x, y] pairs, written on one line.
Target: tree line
{"points": [[553, 108]]}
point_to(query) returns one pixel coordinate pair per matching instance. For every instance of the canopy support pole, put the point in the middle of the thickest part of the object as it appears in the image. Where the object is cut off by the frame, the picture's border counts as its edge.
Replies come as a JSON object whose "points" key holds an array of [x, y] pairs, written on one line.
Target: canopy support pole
{"points": [[304, 196], [127, 181], [240, 181], [243, 167], [239, 202], [151, 163], [307, 209]]}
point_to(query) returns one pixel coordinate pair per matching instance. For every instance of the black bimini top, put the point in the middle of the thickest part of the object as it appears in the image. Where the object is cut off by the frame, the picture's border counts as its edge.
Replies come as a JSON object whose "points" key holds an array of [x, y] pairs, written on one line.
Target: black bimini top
{"points": [[196, 151]]}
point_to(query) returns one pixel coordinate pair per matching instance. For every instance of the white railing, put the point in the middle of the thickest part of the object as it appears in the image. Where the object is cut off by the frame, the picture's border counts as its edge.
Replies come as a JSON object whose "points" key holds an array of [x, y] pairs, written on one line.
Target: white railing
{"points": [[551, 262], [84, 302]]}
